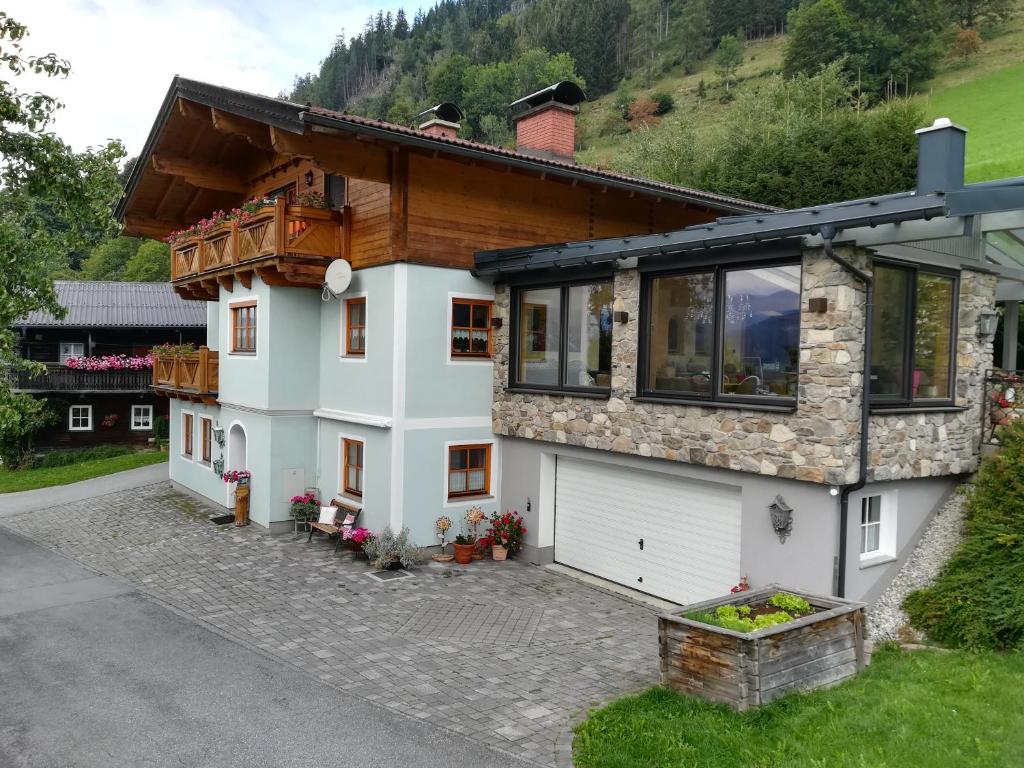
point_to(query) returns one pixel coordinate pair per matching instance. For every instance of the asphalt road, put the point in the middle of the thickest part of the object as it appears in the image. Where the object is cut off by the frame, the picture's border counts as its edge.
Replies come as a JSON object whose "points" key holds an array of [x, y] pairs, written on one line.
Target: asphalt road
{"points": [[93, 673]]}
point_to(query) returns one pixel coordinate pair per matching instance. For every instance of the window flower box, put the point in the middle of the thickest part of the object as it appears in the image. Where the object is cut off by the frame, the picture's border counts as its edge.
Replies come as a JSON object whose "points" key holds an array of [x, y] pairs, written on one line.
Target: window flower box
{"points": [[747, 669]]}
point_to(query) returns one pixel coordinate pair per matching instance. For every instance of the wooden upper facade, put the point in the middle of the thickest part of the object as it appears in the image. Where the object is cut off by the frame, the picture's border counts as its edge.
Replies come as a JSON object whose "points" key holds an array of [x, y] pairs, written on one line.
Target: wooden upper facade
{"points": [[396, 194]]}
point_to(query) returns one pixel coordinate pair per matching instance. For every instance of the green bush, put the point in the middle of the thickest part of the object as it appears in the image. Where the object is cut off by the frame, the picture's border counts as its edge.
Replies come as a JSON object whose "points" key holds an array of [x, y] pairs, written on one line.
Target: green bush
{"points": [[664, 101], [77, 456], [161, 428], [978, 599]]}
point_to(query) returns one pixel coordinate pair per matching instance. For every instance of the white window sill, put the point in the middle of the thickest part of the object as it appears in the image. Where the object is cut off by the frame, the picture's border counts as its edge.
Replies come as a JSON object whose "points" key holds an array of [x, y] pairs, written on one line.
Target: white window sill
{"points": [[875, 559], [459, 500]]}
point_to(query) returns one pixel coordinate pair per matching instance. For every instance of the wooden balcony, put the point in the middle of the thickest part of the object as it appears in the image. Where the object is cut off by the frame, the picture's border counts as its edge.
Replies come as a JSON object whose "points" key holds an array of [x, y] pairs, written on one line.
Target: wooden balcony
{"points": [[57, 378], [194, 376], [282, 244]]}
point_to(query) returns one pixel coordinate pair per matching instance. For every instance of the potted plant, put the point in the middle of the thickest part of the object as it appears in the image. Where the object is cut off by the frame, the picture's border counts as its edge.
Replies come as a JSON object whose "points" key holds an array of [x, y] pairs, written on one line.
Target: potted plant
{"points": [[464, 545], [390, 551], [304, 508], [506, 532], [356, 538], [443, 525], [475, 516]]}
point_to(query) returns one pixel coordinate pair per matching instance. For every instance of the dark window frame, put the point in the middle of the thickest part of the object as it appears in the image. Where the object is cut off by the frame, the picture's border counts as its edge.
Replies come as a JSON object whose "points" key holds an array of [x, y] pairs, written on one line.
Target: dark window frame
{"points": [[563, 331], [715, 395], [906, 398]]}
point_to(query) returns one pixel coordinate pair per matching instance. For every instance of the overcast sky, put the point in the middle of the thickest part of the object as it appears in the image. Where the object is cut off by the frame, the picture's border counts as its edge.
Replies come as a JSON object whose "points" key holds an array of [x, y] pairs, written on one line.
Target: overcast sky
{"points": [[123, 53]]}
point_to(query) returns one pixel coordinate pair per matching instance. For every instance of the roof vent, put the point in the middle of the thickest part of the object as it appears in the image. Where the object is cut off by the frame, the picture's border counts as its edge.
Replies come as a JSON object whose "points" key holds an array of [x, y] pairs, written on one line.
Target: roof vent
{"points": [[941, 151], [443, 120], [546, 121]]}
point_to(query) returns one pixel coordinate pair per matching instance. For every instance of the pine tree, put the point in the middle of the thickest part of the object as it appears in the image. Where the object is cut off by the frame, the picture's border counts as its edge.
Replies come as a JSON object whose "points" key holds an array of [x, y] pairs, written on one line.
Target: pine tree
{"points": [[695, 37]]}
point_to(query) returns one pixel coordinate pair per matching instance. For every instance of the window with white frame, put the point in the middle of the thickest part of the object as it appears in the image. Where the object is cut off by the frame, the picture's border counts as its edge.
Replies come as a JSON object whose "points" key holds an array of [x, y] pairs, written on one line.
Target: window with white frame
{"points": [[69, 349], [878, 526], [80, 418], [142, 417]]}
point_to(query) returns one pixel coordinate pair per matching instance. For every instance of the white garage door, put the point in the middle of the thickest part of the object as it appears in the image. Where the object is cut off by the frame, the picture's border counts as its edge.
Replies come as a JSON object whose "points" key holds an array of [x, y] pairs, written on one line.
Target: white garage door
{"points": [[676, 538]]}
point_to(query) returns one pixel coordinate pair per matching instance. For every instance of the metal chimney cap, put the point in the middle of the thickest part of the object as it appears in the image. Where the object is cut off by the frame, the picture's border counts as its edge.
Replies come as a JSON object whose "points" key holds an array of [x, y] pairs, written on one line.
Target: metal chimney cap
{"points": [[939, 124]]}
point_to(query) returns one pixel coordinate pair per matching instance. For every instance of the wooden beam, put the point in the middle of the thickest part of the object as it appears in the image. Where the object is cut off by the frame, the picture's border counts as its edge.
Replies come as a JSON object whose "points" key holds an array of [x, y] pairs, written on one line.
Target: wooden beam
{"points": [[202, 175], [227, 282], [155, 228], [257, 134], [399, 204], [338, 153], [192, 110], [245, 277]]}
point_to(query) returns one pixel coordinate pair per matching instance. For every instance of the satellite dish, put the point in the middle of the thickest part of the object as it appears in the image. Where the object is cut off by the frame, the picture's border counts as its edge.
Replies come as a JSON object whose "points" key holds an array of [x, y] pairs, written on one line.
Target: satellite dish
{"points": [[338, 277]]}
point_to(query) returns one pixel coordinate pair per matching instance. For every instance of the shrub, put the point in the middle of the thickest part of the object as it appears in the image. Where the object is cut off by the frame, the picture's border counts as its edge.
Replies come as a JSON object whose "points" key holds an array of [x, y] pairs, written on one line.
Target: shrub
{"points": [[978, 599], [664, 101], [21, 416], [966, 43], [66, 458], [387, 547], [612, 124], [643, 111]]}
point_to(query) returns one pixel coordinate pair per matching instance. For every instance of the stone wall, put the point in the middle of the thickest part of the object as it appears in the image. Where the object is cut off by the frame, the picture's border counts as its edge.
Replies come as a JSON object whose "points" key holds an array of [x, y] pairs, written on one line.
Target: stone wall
{"points": [[817, 442], [927, 444]]}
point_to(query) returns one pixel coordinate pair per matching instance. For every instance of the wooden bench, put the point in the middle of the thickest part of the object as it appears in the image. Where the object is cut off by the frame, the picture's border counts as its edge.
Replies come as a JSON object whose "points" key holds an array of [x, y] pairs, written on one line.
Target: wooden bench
{"points": [[335, 527]]}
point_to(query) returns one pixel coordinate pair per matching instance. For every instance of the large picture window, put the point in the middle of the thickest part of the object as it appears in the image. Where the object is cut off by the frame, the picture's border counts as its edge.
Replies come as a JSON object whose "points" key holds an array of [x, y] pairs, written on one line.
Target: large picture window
{"points": [[723, 334], [913, 333], [564, 337]]}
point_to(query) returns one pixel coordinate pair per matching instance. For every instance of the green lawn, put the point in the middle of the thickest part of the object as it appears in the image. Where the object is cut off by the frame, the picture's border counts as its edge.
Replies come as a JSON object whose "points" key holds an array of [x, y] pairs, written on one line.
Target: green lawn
{"points": [[27, 479], [992, 108], [926, 709]]}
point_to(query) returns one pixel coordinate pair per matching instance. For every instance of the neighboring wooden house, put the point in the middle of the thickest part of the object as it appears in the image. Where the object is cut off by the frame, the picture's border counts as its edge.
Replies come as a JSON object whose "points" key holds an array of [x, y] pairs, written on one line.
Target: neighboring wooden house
{"points": [[103, 319]]}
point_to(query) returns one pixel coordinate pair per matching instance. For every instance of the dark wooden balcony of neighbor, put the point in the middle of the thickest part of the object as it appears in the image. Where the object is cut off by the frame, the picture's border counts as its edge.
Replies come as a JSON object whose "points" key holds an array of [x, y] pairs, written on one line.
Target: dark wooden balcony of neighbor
{"points": [[57, 378]]}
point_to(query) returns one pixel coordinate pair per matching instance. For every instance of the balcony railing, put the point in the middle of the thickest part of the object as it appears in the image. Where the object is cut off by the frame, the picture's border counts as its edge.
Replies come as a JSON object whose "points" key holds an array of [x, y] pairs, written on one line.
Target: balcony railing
{"points": [[57, 378], [274, 231], [1004, 402], [191, 376]]}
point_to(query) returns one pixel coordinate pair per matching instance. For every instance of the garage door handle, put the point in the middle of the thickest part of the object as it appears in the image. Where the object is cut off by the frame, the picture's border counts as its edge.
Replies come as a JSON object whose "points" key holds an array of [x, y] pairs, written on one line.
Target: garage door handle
{"points": [[641, 543]]}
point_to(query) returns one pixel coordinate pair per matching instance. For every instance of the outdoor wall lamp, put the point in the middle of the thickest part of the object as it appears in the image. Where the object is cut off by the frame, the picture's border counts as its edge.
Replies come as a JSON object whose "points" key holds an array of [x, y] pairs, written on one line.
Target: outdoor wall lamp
{"points": [[309, 178], [218, 436], [218, 465], [988, 321], [782, 518]]}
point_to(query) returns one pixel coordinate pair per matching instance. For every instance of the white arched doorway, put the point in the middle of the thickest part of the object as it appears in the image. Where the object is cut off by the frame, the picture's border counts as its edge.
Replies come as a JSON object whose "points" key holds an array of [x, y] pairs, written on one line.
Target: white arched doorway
{"points": [[236, 447]]}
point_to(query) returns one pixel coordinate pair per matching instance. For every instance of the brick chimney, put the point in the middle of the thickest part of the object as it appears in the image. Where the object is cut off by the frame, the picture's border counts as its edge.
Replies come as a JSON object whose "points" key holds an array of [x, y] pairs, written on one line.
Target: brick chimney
{"points": [[443, 120], [546, 121]]}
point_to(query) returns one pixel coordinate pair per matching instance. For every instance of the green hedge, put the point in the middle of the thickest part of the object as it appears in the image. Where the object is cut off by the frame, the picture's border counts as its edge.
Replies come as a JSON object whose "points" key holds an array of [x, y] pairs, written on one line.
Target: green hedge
{"points": [[77, 456], [978, 599]]}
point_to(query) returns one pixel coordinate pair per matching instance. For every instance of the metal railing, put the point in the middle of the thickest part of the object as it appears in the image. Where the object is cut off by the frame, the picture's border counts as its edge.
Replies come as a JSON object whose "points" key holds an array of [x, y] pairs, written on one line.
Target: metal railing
{"points": [[57, 378], [1004, 402]]}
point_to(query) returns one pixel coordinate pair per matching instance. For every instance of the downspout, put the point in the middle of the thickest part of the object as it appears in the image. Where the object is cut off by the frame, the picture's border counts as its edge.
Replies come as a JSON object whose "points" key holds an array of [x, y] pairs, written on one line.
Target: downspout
{"points": [[828, 232]]}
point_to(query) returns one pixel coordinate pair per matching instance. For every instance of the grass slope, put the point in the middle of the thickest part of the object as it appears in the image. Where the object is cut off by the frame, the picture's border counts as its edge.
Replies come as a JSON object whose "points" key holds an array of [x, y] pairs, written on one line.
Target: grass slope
{"points": [[926, 709], [29, 479], [985, 94]]}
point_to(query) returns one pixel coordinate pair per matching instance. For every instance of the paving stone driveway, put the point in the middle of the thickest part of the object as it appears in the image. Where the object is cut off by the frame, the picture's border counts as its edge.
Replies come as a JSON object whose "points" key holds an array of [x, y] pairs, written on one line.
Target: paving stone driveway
{"points": [[505, 653]]}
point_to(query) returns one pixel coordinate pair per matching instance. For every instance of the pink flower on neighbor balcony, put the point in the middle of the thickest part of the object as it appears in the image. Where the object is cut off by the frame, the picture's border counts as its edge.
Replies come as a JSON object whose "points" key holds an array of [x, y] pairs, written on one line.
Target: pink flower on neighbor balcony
{"points": [[110, 363]]}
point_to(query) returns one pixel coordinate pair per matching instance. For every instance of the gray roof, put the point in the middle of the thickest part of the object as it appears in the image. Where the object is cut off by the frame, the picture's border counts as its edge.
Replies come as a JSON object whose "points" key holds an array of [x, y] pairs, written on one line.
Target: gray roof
{"points": [[1006, 194], [108, 304]]}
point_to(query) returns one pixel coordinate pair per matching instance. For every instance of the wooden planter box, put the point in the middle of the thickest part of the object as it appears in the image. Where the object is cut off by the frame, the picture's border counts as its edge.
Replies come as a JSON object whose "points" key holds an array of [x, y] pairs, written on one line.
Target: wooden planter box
{"points": [[746, 670]]}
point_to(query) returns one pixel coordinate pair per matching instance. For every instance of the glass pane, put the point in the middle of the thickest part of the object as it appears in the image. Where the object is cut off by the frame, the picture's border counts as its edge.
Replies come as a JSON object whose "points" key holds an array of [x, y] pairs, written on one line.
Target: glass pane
{"points": [[539, 330], [456, 482], [933, 333], [460, 341], [761, 338], [477, 480], [871, 537], [480, 313], [356, 313], [889, 331], [456, 459], [479, 342], [460, 315], [682, 338], [478, 457], [589, 337], [353, 478]]}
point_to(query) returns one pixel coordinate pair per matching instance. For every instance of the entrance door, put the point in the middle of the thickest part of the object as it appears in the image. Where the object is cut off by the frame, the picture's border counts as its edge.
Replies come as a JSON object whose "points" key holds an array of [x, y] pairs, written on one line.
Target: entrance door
{"points": [[675, 538]]}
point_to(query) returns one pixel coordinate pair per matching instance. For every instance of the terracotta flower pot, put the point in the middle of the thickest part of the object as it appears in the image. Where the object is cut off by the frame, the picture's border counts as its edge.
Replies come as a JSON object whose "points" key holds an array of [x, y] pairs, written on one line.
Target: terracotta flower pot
{"points": [[498, 552], [463, 553]]}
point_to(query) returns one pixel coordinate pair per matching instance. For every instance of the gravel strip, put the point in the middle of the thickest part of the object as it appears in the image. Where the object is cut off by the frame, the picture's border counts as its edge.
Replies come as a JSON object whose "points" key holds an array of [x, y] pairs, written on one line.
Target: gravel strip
{"points": [[886, 619]]}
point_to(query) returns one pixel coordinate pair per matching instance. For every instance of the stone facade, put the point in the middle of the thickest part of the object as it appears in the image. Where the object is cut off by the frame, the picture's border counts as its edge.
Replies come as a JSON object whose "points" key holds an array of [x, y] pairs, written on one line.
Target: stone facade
{"points": [[816, 442], [926, 444]]}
